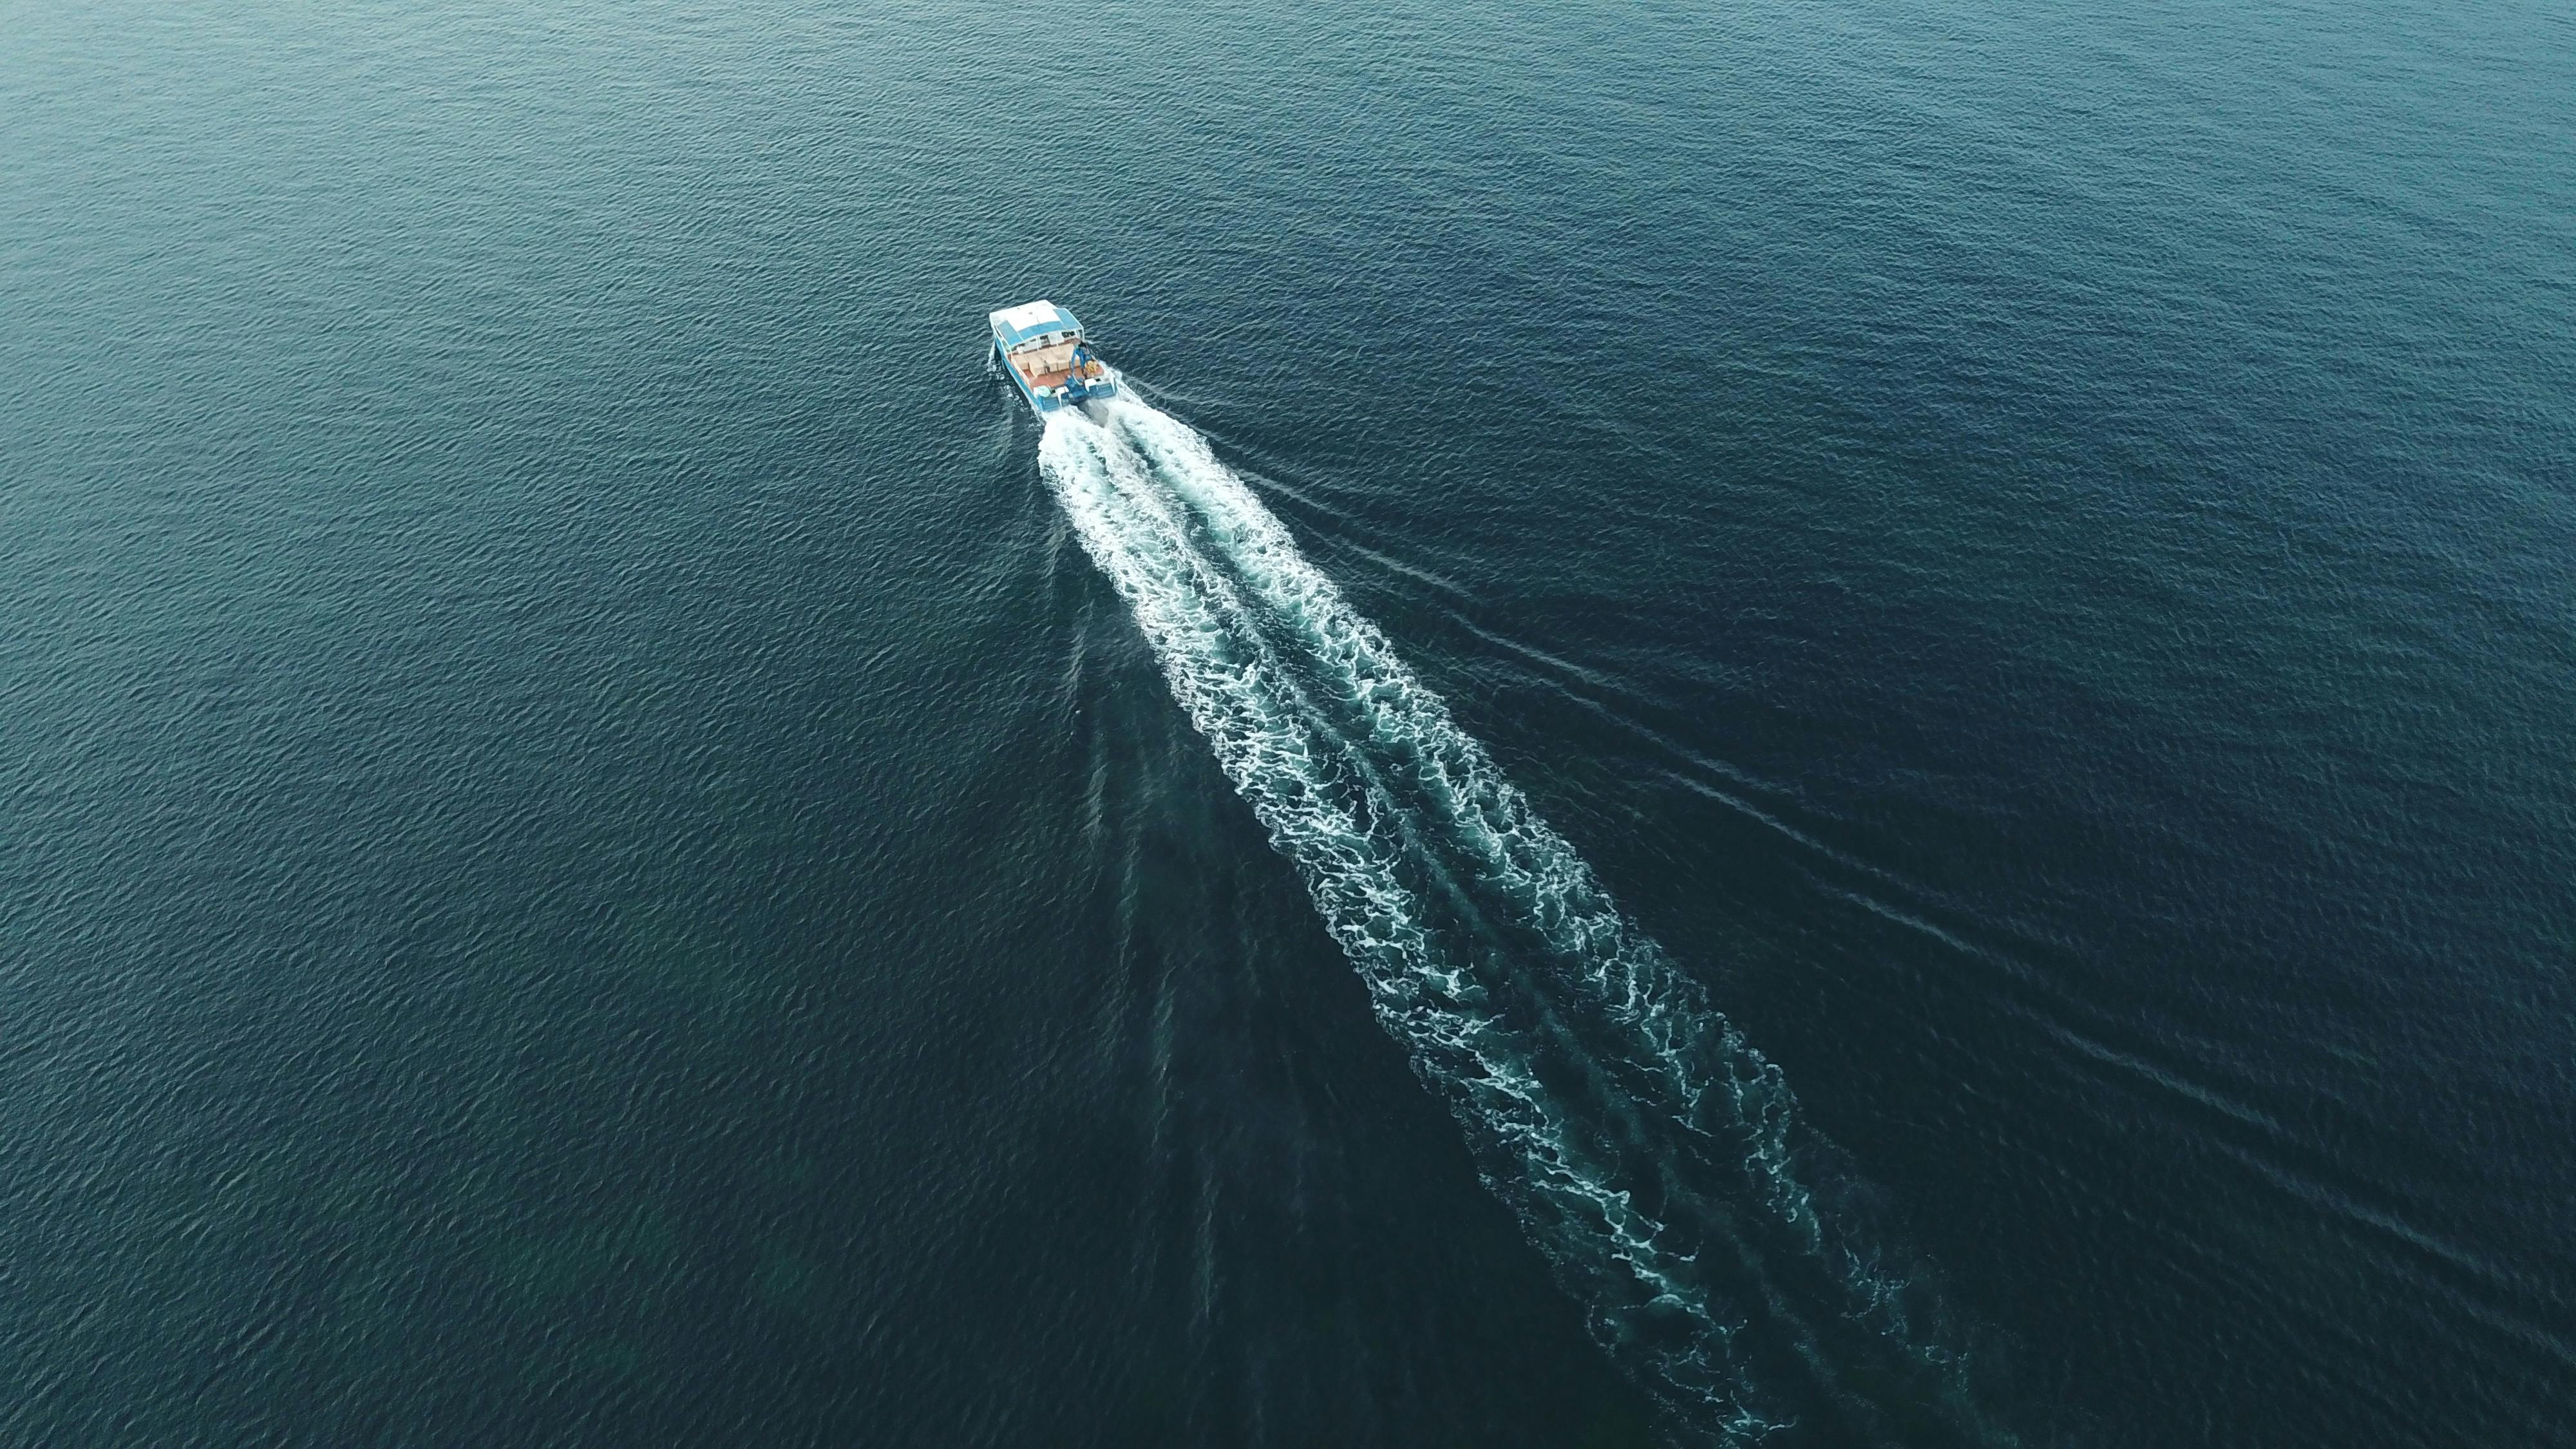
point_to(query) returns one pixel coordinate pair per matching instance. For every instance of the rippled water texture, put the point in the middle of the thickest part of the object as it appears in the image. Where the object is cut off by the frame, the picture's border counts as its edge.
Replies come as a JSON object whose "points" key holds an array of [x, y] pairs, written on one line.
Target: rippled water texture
{"points": [[1815, 724]]}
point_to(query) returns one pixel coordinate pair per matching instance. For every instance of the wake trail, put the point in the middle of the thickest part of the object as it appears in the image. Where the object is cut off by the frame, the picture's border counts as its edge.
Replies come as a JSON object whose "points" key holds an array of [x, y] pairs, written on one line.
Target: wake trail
{"points": [[1650, 1152]]}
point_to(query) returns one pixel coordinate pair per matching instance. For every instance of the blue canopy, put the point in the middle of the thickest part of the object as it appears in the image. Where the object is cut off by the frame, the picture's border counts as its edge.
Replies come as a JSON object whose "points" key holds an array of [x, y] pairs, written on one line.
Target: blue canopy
{"points": [[1015, 325]]}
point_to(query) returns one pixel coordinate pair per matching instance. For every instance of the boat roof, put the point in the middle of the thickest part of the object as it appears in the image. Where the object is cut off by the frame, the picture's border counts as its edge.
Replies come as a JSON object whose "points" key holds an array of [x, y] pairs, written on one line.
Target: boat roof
{"points": [[1015, 325]]}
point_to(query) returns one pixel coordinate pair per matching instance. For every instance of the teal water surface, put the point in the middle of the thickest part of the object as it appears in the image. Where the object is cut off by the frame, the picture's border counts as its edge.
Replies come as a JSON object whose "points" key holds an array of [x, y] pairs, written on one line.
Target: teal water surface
{"points": [[1816, 724]]}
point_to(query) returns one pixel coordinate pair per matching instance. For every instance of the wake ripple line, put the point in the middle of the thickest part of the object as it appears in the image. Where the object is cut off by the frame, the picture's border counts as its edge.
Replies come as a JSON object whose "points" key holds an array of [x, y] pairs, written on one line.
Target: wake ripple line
{"points": [[1250, 637]]}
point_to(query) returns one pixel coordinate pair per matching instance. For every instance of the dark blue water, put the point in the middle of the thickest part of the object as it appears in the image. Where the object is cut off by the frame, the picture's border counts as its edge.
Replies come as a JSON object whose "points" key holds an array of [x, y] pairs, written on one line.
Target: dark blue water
{"points": [[1819, 724]]}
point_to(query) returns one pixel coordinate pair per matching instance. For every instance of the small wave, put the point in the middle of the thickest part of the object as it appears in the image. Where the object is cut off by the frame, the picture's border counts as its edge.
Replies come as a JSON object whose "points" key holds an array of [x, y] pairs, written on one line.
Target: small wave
{"points": [[1651, 1153]]}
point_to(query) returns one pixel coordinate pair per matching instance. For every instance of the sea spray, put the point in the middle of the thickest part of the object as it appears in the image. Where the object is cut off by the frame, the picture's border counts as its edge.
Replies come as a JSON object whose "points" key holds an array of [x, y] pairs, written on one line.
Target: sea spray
{"points": [[1649, 1151]]}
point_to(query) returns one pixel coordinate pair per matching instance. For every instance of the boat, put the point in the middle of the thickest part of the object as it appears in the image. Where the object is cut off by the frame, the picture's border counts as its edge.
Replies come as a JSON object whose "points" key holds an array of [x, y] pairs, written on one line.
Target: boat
{"points": [[1042, 347]]}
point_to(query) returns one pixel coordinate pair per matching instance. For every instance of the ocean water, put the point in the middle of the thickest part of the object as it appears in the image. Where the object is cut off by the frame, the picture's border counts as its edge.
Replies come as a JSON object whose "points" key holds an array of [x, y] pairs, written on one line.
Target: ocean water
{"points": [[1806, 724]]}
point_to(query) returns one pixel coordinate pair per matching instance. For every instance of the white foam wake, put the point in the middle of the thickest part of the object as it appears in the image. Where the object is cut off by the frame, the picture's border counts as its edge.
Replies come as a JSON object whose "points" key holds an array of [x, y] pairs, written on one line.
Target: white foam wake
{"points": [[1646, 1147]]}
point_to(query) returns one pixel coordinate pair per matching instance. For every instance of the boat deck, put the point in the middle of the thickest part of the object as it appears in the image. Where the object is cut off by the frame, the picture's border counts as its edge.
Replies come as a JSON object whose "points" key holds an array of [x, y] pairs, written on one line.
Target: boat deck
{"points": [[1045, 366], [1049, 366]]}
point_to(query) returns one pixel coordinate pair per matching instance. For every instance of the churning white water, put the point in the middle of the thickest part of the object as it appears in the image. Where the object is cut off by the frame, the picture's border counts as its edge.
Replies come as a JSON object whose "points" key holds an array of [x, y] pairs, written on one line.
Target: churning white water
{"points": [[1649, 1151]]}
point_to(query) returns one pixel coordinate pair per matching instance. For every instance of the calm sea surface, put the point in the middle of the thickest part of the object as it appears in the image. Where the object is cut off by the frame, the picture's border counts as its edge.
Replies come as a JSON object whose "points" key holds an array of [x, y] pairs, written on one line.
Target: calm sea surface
{"points": [[1816, 723]]}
